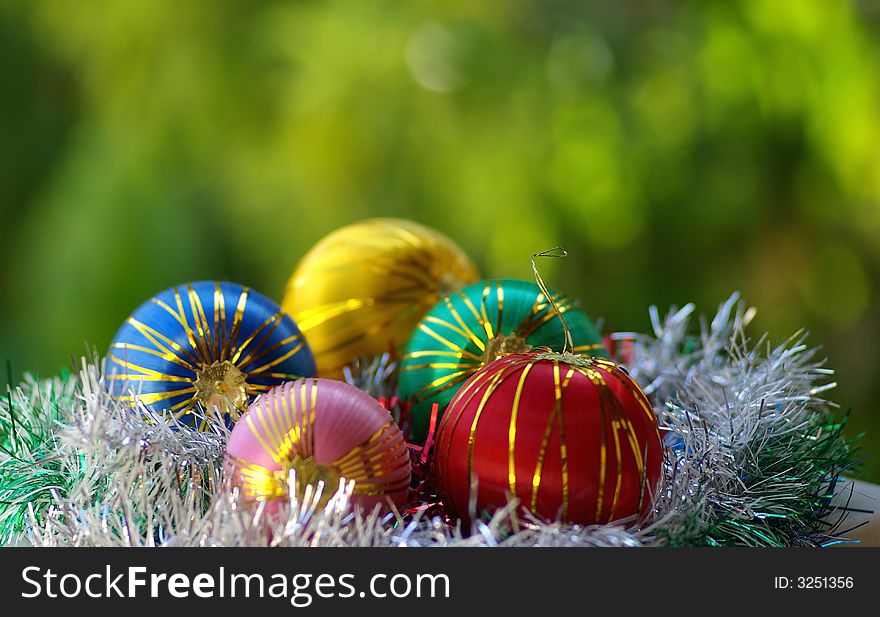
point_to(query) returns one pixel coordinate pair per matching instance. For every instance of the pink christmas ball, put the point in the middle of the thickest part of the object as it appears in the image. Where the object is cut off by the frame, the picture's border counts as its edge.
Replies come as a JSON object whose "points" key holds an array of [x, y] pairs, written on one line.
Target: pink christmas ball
{"points": [[323, 430]]}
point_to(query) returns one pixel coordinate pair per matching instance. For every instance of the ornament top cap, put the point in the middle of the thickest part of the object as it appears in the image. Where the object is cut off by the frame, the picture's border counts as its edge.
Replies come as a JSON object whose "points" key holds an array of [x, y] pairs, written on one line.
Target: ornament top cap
{"points": [[577, 359], [565, 357]]}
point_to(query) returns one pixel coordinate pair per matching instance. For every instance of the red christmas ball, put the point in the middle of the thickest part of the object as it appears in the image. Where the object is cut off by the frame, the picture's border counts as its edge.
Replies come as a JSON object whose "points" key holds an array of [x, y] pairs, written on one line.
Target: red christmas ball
{"points": [[572, 437]]}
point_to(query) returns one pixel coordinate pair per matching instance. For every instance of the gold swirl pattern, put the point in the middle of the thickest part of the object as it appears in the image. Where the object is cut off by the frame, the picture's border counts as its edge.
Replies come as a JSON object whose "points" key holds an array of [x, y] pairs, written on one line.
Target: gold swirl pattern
{"points": [[207, 345], [362, 289]]}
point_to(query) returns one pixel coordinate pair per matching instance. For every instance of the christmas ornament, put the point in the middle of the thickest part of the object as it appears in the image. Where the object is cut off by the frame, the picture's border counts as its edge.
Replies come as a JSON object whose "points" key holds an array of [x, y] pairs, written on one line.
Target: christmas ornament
{"points": [[322, 430], [204, 350], [572, 437], [361, 290], [471, 328]]}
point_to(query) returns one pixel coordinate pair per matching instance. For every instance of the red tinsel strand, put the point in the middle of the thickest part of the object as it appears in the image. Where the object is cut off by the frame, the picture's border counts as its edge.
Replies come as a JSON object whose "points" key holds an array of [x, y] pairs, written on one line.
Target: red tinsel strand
{"points": [[423, 497]]}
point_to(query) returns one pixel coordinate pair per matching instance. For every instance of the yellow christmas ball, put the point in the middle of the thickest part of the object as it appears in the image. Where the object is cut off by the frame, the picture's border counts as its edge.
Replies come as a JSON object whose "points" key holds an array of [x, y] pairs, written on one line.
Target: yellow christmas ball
{"points": [[363, 289]]}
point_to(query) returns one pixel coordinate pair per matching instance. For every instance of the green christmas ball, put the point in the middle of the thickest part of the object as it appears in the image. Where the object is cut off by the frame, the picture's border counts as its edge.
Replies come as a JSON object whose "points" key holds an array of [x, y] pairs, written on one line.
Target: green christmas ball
{"points": [[474, 326]]}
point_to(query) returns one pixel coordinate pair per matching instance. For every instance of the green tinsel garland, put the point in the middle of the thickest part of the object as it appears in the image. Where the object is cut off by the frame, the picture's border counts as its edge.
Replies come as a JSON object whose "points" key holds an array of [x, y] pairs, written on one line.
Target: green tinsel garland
{"points": [[30, 467]]}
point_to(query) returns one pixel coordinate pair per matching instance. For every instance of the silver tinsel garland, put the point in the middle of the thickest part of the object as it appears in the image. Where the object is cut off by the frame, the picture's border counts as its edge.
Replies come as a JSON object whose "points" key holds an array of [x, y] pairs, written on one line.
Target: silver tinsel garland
{"points": [[754, 454]]}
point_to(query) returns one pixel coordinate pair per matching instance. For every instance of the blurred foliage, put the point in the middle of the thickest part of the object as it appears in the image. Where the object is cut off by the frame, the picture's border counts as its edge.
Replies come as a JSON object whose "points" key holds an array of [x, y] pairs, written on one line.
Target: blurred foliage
{"points": [[678, 150]]}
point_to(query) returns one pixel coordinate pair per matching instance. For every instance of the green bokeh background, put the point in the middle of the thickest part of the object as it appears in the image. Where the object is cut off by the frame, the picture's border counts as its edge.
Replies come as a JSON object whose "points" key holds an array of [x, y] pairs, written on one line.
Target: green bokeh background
{"points": [[679, 150]]}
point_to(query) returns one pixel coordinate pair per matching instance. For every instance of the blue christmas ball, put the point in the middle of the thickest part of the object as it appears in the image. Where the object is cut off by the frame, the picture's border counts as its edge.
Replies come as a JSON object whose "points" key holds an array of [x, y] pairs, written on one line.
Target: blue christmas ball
{"points": [[203, 351]]}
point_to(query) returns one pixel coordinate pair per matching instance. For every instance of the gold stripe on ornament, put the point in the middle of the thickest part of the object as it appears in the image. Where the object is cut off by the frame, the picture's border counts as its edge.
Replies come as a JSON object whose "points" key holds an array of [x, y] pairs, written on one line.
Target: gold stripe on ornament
{"points": [[462, 331], [370, 460], [261, 421], [649, 412], [539, 464], [353, 340], [190, 335], [219, 318], [511, 430], [634, 445], [563, 449], [472, 387], [257, 388], [282, 439], [281, 376], [275, 439], [302, 418], [612, 414], [168, 357], [154, 397], [252, 425], [473, 430], [317, 315], [313, 408], [484, 313], [538, 318], [632, 438], [288, 413], [452, 354], [602, 386], [154, 336], [591, 347], [559, 390], [612, 411], [462, 328], [499, 295], [180, 317], [363, 450], [194, 340], [525, 321], [471, 336], [180, 409], [210, 329], [237, 320], [634, 449], [456, 365], [259, 483], [258, 353], [603, 463], [615, 427], [148, 374], [470, 306], [437, 337], [198, 315], [275, 362], [441, 384], [271, 323]]}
